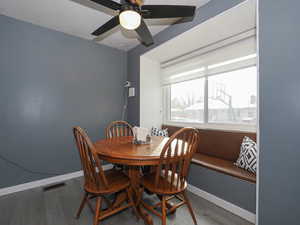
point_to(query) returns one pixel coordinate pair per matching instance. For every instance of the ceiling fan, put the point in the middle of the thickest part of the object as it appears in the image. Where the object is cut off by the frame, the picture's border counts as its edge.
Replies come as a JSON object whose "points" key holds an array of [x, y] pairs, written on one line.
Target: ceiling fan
{"points": [[131, 15]]}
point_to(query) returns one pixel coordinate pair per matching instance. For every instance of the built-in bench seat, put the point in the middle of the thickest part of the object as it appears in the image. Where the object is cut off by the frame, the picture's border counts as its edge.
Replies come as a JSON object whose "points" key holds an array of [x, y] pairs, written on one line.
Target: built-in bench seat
{"points": [[223, 166], [218, 150]]}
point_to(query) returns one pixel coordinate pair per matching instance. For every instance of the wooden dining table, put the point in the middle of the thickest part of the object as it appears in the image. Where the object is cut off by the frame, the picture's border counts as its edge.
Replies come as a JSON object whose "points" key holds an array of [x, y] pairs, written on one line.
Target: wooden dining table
{"points": [[122, 150]]}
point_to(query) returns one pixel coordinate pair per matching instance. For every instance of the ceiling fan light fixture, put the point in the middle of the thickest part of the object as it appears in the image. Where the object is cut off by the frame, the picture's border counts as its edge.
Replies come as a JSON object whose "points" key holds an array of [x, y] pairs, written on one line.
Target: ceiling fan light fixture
{"points": [[130, 19]]}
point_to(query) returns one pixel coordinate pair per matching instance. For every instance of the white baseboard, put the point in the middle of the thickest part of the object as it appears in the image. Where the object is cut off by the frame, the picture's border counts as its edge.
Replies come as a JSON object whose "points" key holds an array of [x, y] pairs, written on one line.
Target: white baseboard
{"points": [[45, 182], [243, 213]]}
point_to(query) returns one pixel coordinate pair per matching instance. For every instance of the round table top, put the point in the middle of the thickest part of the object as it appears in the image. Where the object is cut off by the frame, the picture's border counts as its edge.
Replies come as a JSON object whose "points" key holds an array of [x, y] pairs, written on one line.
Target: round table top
{"points": [[122, 150]]}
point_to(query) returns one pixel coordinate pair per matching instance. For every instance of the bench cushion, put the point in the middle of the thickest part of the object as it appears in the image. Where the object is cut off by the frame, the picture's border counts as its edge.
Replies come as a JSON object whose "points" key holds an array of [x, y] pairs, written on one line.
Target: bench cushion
{"points": [[223, 166], [219, 143]]}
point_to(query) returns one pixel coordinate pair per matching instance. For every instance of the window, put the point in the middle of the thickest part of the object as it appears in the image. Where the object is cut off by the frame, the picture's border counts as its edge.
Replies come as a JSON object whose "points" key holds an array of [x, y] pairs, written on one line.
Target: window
{"points": [[217, 89], [187, 101], [232, 97]]}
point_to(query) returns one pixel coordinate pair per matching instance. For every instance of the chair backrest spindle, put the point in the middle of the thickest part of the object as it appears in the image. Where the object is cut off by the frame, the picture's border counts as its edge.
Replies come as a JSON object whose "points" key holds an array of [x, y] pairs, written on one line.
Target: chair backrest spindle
{"points": [[91, 164], [118, 129], [175, 158]]}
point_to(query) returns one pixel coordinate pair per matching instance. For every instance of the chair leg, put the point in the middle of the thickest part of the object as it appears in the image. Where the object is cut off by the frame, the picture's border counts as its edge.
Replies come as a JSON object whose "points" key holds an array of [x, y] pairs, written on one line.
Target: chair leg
{"points": [[132, 203], [163, 211], [97, 210], [83, 201], [189, 207]]}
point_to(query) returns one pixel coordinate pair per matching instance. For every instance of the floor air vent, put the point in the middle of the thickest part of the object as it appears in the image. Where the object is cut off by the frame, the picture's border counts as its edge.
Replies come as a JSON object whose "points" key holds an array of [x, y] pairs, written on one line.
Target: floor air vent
{"points": [[54, 186]]}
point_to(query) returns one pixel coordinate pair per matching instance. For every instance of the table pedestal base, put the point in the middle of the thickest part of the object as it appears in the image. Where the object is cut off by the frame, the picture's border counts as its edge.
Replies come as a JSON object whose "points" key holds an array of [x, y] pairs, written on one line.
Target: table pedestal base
{"points": [[134, 176]]}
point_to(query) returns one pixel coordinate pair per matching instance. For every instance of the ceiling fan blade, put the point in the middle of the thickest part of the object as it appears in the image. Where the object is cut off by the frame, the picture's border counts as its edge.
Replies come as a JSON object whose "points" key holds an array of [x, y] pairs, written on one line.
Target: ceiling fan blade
{"points": [[109, 4], [167, 11], [107, 26], [144, 34]]}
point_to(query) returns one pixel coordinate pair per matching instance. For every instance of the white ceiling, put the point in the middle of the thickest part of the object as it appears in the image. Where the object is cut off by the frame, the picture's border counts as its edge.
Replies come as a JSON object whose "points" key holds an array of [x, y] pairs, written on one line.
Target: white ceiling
{"points": [[238, 19], [81, 17]]}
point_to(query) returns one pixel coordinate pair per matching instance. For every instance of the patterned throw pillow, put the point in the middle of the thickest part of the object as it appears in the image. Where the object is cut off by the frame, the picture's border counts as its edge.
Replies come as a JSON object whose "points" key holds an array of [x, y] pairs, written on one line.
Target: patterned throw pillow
{"points": [[159, 132], [248, 155]]}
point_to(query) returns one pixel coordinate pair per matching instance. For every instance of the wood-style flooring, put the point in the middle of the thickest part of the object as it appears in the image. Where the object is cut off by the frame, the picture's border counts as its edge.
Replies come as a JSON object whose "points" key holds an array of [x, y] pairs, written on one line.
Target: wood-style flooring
{"points": [[58, 207]]}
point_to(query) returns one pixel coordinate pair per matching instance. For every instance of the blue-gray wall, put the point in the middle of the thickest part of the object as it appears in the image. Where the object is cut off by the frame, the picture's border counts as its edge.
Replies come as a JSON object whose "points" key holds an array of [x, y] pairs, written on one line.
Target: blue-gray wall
{"points": [[279, 116], [234, 190], [49, 82], [231, 189]]}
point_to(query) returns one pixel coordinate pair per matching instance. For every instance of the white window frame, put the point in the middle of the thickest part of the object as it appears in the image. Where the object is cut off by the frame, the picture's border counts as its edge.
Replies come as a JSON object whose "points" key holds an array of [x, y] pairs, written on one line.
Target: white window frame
{"points": [[206, 124]]}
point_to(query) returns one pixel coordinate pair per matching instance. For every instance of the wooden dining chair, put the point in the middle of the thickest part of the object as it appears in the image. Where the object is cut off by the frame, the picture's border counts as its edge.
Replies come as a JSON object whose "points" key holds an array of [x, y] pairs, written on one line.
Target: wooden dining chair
{"points": [[168, 180], [99, 183], [118, 129]]}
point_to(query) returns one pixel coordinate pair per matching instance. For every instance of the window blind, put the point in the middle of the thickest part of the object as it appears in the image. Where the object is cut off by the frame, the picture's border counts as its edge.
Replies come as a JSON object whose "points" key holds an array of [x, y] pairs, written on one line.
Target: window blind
{"points": [[241, 53]]}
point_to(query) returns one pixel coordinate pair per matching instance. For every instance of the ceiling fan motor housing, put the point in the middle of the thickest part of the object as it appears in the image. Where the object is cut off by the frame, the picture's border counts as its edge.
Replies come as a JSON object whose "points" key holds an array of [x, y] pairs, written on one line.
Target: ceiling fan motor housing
{"points": [[130, 7], [133, 2]]}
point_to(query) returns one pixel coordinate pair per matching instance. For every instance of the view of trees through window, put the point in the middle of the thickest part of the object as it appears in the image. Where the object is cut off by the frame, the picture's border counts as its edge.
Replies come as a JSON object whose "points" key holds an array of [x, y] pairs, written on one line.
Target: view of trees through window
{"points": [[231, 98]]}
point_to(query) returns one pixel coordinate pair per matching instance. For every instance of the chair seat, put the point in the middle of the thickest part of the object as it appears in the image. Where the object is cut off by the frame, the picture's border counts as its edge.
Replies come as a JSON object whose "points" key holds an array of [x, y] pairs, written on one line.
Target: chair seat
{"points": [[116, 180], [165, 186]]}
